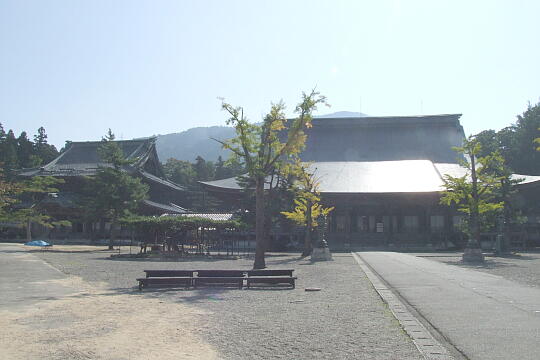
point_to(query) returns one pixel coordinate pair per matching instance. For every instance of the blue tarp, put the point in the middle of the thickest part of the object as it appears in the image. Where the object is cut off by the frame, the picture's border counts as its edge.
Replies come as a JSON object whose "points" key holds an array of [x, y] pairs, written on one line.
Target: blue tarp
{"points": [[38, 243]]}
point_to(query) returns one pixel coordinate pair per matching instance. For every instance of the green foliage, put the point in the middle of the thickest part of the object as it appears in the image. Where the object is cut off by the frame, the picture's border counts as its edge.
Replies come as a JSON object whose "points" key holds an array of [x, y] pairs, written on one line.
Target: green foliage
{"points": [[21, 202], [475, 194], [9, 191], [21, 152], [9, 155], [43, 150], [187, 174], [26, 153], [180, 172], [110, 152], [259, 147], [112, 192], [307, 198], [177, 223], [516, 143], [204, 170], [261, 150]]}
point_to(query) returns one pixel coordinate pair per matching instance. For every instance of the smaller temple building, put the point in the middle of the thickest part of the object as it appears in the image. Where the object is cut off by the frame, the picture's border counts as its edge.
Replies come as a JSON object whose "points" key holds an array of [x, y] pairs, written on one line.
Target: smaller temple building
{"points": [[81, 159]]}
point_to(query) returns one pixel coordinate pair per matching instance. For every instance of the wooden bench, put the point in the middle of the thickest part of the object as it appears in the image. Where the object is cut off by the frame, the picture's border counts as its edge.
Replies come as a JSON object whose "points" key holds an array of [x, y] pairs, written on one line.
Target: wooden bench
{"points": [[186, 278], [269, 276], [222, 277], [166, 278]]}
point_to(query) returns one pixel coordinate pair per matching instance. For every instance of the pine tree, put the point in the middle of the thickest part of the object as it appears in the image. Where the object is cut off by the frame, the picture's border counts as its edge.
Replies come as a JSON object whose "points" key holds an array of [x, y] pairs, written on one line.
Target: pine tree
{"points": [[43, 150], [10, 158], [113, 193], [26, 153]]}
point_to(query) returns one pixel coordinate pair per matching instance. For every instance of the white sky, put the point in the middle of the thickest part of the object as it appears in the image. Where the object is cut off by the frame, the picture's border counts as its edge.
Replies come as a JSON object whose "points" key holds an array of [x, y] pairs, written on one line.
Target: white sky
{"points": [[156, 67]]}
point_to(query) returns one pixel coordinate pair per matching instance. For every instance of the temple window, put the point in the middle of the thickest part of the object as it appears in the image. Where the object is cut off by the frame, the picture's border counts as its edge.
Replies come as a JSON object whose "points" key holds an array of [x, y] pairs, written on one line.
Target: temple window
{"points": [[410, 223], [436, 223], [340, 223]]}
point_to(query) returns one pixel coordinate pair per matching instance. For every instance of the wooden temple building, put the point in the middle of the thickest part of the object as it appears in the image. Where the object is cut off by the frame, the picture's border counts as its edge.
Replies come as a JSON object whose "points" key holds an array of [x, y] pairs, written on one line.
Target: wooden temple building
{"points": [[81, 159], [384, 176]]}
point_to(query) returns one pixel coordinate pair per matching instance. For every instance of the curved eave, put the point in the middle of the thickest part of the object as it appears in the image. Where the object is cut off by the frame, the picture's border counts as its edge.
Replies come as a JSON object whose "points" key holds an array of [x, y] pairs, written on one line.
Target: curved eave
{"points": [[161, 181], [221, 189]]}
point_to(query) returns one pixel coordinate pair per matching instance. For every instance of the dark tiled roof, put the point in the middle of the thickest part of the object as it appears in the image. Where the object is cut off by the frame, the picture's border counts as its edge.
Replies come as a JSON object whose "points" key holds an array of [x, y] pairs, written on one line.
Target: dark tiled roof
{"points": [[82, 158], [161, 181], [387, 138]]}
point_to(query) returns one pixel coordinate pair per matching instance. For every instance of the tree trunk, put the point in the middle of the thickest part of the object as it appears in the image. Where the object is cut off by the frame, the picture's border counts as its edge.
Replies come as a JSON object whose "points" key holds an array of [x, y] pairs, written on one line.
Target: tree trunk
{"points": [[267, 229], [112, 233], [474, 229], [308, 248], [29, 230], [260, 246]]}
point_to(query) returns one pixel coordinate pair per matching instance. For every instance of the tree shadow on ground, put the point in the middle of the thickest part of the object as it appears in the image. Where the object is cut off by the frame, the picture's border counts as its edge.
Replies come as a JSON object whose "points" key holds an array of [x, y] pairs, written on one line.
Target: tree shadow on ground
{"points": [[188, 295], [287, 260], [488, 264], [518, 257], [191, 295]]}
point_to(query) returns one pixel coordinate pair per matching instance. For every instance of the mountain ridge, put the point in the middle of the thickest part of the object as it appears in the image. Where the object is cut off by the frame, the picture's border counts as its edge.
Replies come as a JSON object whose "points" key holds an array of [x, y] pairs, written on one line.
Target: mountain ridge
{"points": [[187, 145]]}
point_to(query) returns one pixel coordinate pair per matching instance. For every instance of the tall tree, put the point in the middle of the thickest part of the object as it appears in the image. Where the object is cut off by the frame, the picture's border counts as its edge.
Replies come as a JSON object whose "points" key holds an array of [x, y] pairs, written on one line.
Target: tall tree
{"points": [[524, 158], [204, 169], [113, 193], [474, 193], [221, 170], [180, 172], [10, 157], [45, 151], [515, 142], [262, 151], [25, 152]]}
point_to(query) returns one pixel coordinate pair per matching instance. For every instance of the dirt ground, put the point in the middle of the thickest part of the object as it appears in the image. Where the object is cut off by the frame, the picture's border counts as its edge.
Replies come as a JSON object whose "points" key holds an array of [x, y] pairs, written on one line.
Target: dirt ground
{"points": [[96, 323]]}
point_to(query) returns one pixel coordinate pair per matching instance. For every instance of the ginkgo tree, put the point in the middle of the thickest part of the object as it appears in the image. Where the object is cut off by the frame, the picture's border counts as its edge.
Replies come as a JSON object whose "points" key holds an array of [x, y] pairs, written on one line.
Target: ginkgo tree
{"points": [[475, 193], [264, 148], [308, 207]]}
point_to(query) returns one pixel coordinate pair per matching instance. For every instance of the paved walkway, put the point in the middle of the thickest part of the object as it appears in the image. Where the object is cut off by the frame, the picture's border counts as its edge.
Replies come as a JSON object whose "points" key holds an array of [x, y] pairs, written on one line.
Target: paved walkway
{"points": [[484, 316], [26, 280]]}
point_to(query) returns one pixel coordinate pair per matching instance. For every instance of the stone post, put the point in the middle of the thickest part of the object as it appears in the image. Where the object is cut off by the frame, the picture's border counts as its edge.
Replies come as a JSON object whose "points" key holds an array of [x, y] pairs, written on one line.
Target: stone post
{"points": [[321, 252]]}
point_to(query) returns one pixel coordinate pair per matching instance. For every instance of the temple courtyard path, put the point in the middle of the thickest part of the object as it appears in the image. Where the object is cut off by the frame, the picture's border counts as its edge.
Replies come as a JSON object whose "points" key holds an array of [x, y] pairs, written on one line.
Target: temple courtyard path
{"points": [[484, 316], [102, 315]]}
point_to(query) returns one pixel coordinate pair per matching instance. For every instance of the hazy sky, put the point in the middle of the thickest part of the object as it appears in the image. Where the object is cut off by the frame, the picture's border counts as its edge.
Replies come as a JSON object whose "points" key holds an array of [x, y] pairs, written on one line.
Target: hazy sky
{"points": [[156, 67]]}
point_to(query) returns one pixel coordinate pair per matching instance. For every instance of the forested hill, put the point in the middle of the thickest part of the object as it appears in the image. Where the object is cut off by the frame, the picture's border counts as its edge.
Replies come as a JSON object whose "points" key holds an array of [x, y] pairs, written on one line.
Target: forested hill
{"points": [[189, 144]]}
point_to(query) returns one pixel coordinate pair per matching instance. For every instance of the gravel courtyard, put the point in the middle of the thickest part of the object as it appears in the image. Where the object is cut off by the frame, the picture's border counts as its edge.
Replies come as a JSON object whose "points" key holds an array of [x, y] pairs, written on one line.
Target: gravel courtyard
{"points": [[345, 320]]}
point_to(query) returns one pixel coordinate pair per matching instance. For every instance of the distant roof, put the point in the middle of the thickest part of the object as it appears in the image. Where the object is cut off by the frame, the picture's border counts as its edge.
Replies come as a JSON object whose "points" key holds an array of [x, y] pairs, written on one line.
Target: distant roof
{"points": [[82, 158], [169, 208], [341, 114], [404, 176], [159, 180], [211, 216], [384, 138]]}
